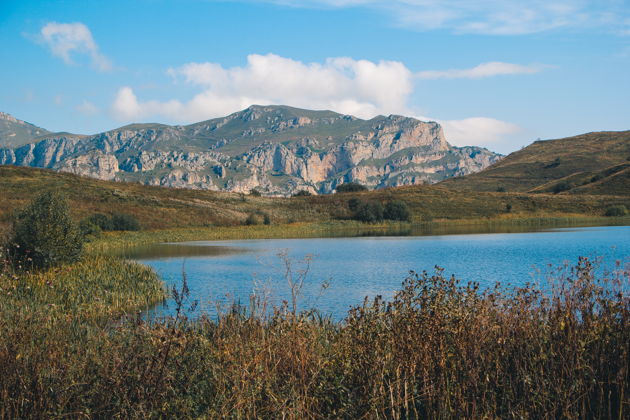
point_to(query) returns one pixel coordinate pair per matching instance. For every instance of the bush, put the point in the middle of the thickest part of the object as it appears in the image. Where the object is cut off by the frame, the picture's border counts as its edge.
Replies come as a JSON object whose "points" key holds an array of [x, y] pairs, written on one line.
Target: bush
{"points": [[508, 208], [561, 186], [616, 211], [266, 219], [255, 193], [124, 222], [397, 210], [501, 189], [370, 212], [88, 229], [44, 235], [100, 220], [302, 193], [350, 187], [252, 219], [354, 203]]}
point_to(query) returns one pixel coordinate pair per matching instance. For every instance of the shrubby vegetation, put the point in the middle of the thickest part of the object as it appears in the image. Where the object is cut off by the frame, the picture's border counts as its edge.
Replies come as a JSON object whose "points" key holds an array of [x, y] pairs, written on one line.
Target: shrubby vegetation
{"points": [[350, 187], [302, 193], [373, 211], [117, 222], [616, 211], [438, 349], [44, 234]]}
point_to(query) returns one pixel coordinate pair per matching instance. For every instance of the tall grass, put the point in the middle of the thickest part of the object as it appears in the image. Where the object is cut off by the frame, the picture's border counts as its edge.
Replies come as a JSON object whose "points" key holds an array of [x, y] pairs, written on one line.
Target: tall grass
{"points": [[438, 349]]}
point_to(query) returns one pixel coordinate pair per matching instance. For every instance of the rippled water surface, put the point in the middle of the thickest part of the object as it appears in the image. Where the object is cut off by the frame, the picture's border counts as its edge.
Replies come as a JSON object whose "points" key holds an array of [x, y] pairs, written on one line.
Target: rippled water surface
{"points": [[226, 271]]}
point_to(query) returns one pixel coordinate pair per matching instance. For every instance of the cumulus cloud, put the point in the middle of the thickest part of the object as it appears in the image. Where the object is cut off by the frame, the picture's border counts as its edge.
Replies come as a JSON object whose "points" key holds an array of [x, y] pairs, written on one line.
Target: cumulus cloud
{"points": [[66, 39], [494, 68], [491, 17], [358, 87], [481, 131]]}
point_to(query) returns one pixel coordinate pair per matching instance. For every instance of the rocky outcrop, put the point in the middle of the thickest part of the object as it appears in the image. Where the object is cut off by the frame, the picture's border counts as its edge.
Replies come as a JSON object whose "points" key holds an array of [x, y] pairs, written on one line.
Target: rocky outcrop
{"points": [[277, 150]]}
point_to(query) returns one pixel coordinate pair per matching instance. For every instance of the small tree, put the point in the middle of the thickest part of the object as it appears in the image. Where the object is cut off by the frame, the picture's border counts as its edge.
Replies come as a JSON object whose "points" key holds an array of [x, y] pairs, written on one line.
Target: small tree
{"points": [[255, 193], [370, 212], [350, 187], [616, 211], [44, 234], [302, 193], [354, 203], [124, 222], [397, 210]]}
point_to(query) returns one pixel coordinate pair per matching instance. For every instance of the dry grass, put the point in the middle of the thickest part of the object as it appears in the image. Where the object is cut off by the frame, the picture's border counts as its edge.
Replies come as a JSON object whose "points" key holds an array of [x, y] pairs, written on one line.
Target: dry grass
{"points": [[437, 350]]}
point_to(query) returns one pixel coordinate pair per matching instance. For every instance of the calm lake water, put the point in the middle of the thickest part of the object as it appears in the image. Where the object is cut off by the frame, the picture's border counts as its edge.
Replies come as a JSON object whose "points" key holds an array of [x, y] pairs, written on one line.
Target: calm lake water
{"points": [[222, 272]]}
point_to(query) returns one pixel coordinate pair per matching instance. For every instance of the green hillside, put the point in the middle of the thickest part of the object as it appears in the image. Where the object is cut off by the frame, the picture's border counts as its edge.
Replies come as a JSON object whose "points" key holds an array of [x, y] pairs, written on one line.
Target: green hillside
{"points": [[593, 163]]}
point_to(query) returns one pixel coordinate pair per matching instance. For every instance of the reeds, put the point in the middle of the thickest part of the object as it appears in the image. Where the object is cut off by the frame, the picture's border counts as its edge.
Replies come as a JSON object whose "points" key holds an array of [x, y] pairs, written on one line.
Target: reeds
{"points": [[439, 349]]}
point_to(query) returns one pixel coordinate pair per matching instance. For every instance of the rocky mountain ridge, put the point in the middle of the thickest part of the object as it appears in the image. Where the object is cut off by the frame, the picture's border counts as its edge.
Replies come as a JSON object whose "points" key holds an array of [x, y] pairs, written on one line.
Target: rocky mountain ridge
{"points": [[275, 149]]}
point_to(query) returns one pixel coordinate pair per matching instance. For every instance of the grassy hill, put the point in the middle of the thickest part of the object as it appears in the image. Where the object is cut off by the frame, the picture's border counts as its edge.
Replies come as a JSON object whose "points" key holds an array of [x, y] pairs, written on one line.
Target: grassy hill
{"points": [[593, 163], [158, 207]]}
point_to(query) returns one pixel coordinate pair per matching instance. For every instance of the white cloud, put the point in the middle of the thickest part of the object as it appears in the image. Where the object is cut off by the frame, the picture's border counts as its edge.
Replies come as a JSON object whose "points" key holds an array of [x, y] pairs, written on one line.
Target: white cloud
{"points": [[482, 70], [491, 17], [87, 108], [357, 87], [65, 39], [481, 131]]}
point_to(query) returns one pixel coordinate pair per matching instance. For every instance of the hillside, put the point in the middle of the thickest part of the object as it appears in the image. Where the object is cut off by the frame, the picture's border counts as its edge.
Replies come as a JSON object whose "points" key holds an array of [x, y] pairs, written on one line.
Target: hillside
{"points": [[159, 207], [16, 133], [276, 149], [593, 163]]}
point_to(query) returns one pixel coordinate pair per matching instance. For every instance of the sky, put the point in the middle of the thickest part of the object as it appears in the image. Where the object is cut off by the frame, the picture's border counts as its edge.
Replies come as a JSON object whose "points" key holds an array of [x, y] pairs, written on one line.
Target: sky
{"points": [[495, 73]]}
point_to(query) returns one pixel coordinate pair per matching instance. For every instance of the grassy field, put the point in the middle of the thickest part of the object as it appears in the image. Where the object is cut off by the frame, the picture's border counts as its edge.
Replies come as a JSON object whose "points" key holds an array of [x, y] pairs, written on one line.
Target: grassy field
{"points": [[164, 208], [593, 163]]}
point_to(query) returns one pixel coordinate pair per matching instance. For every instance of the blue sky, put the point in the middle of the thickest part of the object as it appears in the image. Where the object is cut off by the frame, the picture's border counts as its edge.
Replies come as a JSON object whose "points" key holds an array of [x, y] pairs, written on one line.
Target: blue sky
{"points": [[496, 73]]}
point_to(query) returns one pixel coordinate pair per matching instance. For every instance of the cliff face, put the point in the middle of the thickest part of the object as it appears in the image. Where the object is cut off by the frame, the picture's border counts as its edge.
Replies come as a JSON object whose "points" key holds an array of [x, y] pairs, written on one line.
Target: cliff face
{"points": [[278, 150]]}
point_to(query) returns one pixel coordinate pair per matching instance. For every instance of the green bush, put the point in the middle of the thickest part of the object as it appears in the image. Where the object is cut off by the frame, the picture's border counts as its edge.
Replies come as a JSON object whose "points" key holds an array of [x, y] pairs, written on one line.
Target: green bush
{"points": [[370, 212], [616, 211], [255, 193], [89, 229], [397, 210], [302, 193], [252, 219], [100, 220], [124, 222], [354, 203], [266, 219], [350, 187], [44, 235]]}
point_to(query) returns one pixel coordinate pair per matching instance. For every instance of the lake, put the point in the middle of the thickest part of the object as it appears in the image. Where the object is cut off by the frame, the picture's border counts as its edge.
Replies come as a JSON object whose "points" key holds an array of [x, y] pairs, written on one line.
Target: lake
{"points": [[222, 272]]}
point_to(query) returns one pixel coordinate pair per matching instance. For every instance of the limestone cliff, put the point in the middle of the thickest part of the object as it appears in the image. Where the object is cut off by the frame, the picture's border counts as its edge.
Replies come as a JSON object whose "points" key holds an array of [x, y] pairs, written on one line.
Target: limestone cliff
{"points": [[275, 149]]}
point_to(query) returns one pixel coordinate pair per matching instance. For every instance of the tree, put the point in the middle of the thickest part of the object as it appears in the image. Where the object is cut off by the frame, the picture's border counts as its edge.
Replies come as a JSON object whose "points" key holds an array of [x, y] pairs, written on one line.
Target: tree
{"points": [[370, 212], [350, 187], [302, 193], [124, 222], [397, 210], [616, 211], [44, 234], [354, 203]]}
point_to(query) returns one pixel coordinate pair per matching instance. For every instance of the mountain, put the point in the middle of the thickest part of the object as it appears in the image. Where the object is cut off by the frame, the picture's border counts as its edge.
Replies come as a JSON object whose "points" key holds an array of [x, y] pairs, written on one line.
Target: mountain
{"points": [[276, 149], [592, 163], [15, 133]]}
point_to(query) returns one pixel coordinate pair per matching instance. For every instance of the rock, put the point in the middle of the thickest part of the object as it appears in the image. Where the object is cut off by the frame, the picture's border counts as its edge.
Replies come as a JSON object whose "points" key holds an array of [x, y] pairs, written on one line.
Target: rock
{"points": [[277, 150]]}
